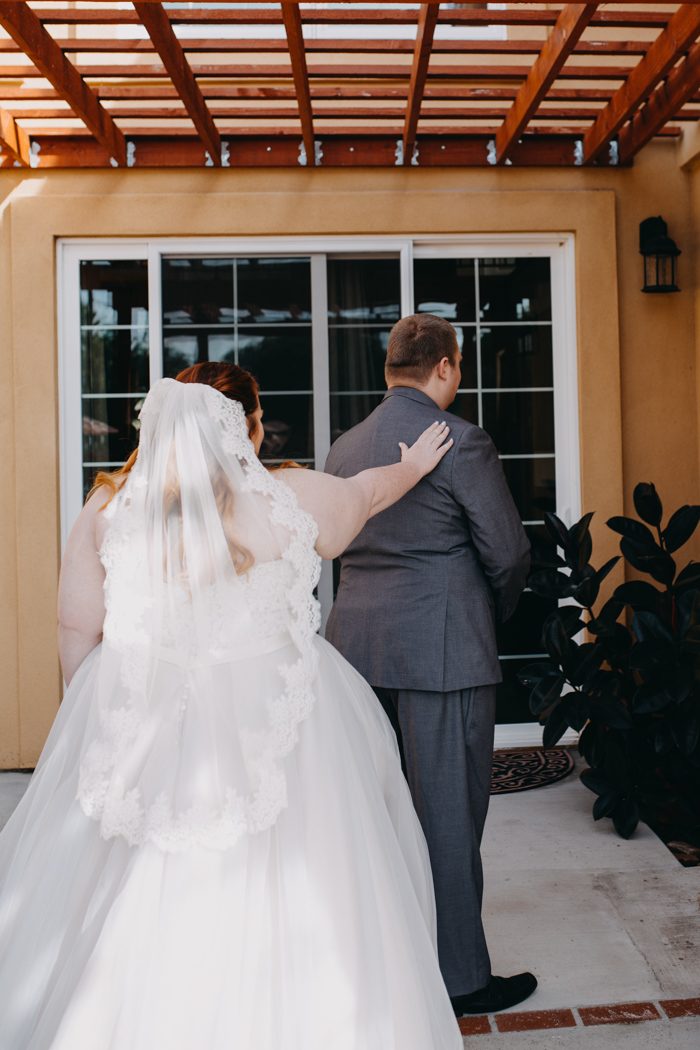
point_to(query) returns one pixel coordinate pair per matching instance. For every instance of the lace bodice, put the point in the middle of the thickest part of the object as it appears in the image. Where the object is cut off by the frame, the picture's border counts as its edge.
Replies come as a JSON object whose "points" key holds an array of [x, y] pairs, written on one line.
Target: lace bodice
{"points": [[246, 619]]}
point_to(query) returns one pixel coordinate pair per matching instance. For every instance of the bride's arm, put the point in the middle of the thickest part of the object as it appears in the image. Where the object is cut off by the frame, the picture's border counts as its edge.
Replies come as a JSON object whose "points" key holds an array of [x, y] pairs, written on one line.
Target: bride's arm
{"points": [[81, 609], [342, 506]]}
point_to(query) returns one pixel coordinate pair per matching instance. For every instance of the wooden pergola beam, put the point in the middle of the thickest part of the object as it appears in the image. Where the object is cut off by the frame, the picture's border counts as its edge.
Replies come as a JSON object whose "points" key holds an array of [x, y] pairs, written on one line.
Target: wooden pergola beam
{"points": [[157, 24], [243, 45], [355, 70], [682, 29], [14, 139], [427, 20], [570, 24], [291, 17], [25, 28], [680, 85], [616, 18]]}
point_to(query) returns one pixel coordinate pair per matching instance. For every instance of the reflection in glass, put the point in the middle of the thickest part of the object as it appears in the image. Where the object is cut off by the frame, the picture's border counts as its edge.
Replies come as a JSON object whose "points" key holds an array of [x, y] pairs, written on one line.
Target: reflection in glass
{"points": [[516, 357], [114, 292], [183, 347], [347, 410], [512, 698], [466, 406], [514, 289], [110, 428], [357, 357], [289, 427], [445, 287], [197, 291], [520, 423], [364, 290], [114, 360], [523, 632], [532, 483], [466, 340], [273, 291], [279, 358]]}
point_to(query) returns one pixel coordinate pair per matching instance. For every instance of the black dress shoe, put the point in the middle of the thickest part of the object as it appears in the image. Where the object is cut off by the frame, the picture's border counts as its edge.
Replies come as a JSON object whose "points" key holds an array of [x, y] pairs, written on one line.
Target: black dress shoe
{"points": [[498, 994]]}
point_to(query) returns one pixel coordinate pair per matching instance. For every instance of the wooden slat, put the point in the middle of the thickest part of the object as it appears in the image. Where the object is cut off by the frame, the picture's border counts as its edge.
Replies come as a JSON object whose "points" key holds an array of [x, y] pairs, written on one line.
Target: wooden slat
{"points": [[427, 20], [569, 26], [300, 73], [356, 71], [14, 139], [245, 45], [680, 85], [157, 24], [24, 27], [614, 18], [682, 29]]}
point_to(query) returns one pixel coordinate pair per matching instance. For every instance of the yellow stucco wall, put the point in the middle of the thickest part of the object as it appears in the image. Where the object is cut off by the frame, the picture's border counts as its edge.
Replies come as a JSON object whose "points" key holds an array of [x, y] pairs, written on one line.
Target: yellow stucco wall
{"points": [[636, 353]]}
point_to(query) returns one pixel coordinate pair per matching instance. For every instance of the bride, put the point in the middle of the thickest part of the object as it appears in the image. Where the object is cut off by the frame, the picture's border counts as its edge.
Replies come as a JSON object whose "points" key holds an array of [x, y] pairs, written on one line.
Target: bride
{"points": [[218, 848]]}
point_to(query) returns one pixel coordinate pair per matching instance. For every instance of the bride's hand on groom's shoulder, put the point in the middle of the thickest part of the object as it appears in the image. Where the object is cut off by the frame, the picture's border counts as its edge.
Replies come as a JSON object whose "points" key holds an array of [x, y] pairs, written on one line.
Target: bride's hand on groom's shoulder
{"points": [[425, 453]]}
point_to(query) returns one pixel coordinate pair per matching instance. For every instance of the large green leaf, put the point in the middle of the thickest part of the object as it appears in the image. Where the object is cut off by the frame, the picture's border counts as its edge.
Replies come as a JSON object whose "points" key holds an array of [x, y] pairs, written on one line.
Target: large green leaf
{"points": [[556, 529], [605, 804], [551, 584], [647, 503], [546, 692], [555, 727], [659, 565], [625, 817], [633, 530], [681, 527], [598, 781], [639, 594], [689, 577]]}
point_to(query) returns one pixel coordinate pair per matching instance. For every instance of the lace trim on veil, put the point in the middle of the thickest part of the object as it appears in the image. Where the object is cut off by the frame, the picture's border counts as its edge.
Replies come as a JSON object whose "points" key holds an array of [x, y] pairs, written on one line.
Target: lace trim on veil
{"points": [[102, 792]]}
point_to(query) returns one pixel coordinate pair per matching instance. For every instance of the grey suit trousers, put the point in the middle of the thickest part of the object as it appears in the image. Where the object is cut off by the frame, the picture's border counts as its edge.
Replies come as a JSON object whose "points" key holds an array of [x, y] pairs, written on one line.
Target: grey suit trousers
{"points": [[446, 744]]}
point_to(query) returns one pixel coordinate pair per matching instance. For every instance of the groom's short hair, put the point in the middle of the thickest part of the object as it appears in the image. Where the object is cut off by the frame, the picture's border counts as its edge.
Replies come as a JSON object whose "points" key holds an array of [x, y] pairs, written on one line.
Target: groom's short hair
{"points": [[417, 343]]}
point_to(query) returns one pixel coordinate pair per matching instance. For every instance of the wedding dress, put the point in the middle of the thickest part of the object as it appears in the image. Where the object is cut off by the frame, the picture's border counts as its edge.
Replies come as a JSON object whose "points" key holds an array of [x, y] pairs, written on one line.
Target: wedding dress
{"points": [[218, 849]]}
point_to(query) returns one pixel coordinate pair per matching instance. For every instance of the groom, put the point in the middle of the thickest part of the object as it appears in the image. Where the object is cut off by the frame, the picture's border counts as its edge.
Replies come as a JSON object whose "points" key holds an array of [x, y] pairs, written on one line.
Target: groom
{"points": [[420, 591]]}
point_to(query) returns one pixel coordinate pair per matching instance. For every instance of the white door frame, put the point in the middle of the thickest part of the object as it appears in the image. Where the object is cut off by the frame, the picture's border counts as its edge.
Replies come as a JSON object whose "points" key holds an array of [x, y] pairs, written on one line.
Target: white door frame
{"points": [[558, 247]]}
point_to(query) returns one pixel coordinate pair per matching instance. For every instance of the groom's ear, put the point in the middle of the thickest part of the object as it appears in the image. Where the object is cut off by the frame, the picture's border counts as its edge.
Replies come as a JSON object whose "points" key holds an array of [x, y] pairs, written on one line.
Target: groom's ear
{"points": [[442, 368]]}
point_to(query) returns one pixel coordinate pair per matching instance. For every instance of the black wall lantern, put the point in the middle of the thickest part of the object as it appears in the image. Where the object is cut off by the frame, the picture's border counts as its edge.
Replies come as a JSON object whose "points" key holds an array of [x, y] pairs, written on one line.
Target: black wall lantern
{"points": [[660, 255]]}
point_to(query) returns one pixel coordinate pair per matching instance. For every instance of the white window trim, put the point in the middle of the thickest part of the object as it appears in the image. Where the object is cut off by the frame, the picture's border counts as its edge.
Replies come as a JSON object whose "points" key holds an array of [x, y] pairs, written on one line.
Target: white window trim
{"points": [[559, 247]]}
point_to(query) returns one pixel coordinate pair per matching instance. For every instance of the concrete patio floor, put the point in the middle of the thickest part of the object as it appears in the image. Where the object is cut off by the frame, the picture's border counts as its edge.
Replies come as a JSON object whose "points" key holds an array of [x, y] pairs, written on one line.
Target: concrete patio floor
{"points": [[600, 921]]}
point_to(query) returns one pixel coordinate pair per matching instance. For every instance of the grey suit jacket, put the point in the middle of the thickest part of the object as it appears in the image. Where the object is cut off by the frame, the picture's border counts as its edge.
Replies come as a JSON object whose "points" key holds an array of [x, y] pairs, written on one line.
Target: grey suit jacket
{"points": [[422, 585]]}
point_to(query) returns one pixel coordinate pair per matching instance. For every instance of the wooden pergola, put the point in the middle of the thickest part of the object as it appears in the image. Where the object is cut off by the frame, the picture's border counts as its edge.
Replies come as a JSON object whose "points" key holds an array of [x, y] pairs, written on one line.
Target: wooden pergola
{"points": [[152, 84]]}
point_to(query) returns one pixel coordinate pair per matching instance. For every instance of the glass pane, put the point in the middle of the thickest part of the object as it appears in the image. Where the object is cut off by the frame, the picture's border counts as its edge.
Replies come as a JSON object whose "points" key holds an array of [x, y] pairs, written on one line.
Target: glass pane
{"points": [[114, 360], [289, 427], [512, 697], [198, 291], [357, 358], [110, 428], [523, 632], [532, 483], [114, 292], [466, 340], [349, 409], [445, 287], [183, 347], [514, 356], [514, 290], [466, 406], [364, 290], [520, 423], [273, 291], [279, 358]]}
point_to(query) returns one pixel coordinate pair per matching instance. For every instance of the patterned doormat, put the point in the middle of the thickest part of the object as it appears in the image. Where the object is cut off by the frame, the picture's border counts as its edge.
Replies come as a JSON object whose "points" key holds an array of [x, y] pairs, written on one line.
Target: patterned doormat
{"points": [[522, 768]]}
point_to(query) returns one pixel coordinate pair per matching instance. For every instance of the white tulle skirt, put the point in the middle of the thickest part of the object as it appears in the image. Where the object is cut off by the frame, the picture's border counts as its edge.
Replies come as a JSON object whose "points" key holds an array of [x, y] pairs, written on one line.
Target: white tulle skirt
{"points": [[317, 934]]}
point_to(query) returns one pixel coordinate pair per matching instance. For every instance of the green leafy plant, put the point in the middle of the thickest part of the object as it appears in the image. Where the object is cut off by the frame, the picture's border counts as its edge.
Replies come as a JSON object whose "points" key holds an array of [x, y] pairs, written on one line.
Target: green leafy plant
{"points": [[626, 674]]}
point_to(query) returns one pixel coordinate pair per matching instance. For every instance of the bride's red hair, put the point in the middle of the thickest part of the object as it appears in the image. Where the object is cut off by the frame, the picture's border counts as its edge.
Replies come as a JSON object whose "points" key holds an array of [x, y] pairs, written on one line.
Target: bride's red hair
{"points": [[231, 380]]}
